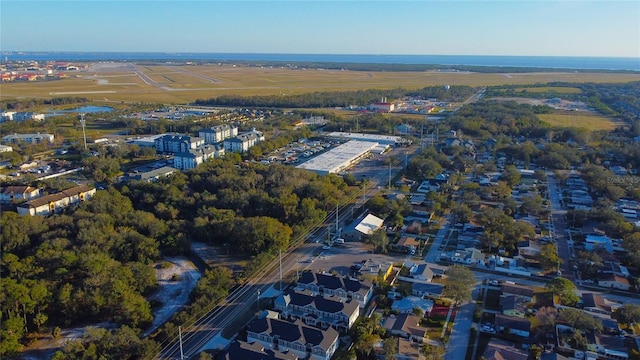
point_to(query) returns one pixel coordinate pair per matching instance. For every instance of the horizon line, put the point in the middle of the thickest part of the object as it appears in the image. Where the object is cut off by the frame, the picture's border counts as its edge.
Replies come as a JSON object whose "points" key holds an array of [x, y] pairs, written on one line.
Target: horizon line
{"points": [[294, 53]]}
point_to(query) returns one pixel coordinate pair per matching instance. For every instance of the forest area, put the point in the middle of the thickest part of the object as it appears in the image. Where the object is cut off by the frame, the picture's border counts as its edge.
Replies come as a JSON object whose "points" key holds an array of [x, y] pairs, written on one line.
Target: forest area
{"points": [[95, 262]]}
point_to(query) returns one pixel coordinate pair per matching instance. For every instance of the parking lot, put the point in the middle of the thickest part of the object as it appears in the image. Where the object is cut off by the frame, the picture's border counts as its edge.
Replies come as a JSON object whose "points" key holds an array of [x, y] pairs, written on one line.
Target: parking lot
{"points": [[340, 257]]}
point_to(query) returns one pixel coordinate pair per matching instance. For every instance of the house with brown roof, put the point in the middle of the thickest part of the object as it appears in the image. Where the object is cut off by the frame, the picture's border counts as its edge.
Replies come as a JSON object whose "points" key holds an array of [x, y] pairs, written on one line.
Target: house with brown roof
{"points": [[513, 325], [596, 303], [9, 194], [304, 341], [613, 281], [54, 203], [518, 290], [504, 350], [407, 326]]}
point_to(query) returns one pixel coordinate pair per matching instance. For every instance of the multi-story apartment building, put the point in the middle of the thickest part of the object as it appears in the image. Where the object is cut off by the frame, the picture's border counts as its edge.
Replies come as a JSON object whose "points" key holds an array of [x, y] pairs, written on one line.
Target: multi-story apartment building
{"points": [[243, 142], [218, 133], [329, 285], [177, 143], [29, 138]]}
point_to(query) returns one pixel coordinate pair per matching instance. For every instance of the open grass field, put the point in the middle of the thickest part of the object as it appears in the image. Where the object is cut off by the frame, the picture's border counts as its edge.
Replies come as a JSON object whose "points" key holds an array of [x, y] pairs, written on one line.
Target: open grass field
{"points": [[181, 84], [589, 121]]}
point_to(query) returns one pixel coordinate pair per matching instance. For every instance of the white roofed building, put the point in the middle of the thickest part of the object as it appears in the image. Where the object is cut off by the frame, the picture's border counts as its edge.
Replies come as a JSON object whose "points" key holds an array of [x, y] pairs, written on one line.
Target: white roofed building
{"points": [[339, 158]]}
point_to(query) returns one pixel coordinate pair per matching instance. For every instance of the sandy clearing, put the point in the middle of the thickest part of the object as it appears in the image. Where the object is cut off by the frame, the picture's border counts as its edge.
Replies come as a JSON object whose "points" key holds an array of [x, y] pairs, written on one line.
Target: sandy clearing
{"points": [[172, 294]]}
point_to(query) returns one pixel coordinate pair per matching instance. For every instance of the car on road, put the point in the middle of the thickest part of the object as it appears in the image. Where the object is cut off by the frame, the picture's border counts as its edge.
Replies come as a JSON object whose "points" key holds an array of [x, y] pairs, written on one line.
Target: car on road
{"points": [[493, 282], [326, 247]]}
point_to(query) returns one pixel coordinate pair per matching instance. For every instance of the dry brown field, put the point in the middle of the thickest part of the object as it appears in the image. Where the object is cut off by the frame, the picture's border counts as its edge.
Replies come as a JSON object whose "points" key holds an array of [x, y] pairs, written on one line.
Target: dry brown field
{"points": [[182, 84]]}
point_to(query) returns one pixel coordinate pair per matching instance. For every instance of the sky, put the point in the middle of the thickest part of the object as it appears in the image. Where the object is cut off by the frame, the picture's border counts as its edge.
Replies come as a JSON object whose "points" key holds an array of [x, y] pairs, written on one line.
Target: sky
{"points": [[510, 27]]}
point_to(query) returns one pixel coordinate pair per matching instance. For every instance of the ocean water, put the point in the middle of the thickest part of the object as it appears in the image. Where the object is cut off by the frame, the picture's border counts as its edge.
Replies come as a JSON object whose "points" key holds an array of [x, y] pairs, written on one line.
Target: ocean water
{"points": [[557, 62]]}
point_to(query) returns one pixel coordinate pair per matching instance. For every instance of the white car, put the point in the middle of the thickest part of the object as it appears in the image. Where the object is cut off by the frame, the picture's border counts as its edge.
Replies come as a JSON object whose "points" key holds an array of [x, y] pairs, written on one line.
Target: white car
{"points": [[326, 247]]}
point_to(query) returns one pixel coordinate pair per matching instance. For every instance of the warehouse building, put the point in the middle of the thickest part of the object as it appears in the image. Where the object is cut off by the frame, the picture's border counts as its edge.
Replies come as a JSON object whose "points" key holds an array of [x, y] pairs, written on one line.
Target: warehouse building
{"points": [[339, 158]]}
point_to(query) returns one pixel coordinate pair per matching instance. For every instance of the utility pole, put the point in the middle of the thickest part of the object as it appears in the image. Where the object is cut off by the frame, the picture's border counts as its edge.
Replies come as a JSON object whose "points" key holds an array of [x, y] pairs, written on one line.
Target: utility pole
{"points": [[280, 256], [84, 135], [258, 301], [180, 335], [389, 175]]}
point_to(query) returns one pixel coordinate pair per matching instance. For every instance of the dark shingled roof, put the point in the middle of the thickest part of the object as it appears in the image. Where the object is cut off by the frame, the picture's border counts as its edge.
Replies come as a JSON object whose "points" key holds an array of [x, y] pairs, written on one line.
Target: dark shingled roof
{"points": [[330, 281], [245, 351], [296, 331]]}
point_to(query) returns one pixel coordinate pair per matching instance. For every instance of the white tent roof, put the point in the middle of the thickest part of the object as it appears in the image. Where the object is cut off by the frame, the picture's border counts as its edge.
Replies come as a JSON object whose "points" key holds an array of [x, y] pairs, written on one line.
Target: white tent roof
{"points": [[369, 224]]}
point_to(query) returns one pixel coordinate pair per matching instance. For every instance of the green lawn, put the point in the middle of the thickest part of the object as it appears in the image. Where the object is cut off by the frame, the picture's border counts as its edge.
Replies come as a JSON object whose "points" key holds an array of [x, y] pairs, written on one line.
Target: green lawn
{"points": [[580, 120]]}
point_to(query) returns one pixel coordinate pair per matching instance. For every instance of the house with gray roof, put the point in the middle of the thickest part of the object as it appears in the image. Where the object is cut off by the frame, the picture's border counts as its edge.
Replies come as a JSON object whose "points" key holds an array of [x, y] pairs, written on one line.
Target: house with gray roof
{"points": [[294, 337], [406, 325], [329, 285], [317, 310], [256, 351]]}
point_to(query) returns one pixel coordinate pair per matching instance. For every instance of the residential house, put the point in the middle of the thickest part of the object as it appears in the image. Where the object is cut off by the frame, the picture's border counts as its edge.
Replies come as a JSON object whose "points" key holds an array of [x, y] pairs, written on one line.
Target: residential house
{"points": [[10, 194], [503, 350], [256, 351], [512, 325], [528, 248], [432, 290], [421, 272], [516, 289], [407, 244], [406, 325], [513, 305], [408, 350], [28, 138], [408, 303], [53, 203], [329, 285], [607, 346], [595, 242], [377, 267], [5, 148], [317, 310], [305, 341], [613, 281], [468, 256], [218, 133], [596, 303]]}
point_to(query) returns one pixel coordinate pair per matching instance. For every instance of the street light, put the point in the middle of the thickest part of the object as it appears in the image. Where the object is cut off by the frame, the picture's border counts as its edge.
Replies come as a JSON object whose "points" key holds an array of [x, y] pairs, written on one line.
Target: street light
{"points": [[258, 301]]}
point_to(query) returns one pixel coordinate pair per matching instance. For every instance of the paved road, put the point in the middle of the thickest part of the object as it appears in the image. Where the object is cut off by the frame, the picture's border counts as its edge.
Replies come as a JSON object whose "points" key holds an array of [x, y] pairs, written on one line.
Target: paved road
{"points": [[459, 339], [559, 226], [434, 251]]}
